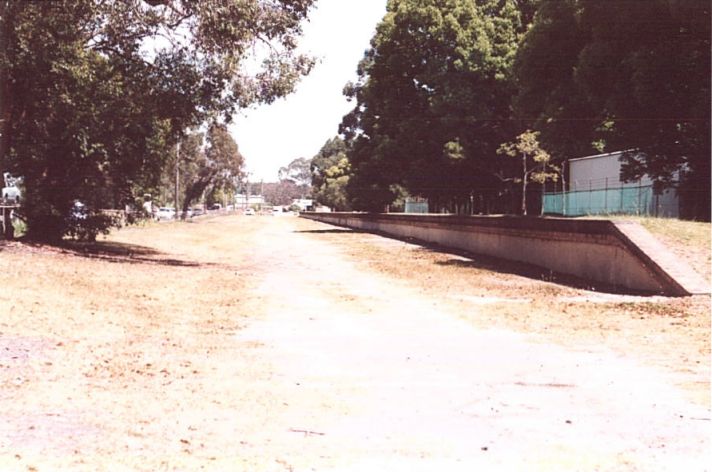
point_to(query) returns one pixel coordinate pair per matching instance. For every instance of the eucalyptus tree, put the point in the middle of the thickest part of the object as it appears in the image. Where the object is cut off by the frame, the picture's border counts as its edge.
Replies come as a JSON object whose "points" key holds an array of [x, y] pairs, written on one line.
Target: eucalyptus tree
{"points": [[218, 166], [95, 94]]}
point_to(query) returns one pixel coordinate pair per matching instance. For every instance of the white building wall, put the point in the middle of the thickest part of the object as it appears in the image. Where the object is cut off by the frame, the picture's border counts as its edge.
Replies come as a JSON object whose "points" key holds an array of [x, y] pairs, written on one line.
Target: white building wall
{"points": [[603, 171], [599, 172]]}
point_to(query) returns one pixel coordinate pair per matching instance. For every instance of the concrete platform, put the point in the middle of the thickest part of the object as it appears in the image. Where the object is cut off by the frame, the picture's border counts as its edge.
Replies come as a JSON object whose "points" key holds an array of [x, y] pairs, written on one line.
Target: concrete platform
{"points": [[620, 254]]}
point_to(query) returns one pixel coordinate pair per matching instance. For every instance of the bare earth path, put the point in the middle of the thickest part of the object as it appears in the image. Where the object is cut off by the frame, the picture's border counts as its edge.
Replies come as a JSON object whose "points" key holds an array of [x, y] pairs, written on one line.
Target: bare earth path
{"points": [[263, 344], [381, 377]]}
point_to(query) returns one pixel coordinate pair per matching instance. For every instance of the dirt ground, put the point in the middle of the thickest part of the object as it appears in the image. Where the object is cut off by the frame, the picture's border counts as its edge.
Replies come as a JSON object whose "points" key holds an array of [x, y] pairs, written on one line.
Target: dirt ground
{"points": [[278, 344]]}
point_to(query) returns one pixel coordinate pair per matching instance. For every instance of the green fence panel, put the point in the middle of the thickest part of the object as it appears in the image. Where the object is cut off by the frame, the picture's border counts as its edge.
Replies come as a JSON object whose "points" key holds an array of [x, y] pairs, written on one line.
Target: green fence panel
{"points": [[620, 200]]}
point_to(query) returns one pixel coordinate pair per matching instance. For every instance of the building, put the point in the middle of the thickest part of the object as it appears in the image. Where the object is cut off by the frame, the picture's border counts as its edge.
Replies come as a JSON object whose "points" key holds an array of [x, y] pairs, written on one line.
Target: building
{"points": [[595, 187], [243, 201], [304, 204]]}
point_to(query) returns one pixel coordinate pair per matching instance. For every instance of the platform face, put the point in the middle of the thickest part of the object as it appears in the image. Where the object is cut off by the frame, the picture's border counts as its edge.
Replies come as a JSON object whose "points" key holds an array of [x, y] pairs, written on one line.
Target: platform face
{"points": [[618, 254]]}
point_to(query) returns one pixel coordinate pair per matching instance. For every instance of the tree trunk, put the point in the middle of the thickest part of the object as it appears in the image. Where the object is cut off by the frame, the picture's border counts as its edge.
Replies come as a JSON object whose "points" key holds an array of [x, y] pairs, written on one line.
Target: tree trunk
{"points": [[564, 190], [524, 184], [194, 190], [7, 13]]}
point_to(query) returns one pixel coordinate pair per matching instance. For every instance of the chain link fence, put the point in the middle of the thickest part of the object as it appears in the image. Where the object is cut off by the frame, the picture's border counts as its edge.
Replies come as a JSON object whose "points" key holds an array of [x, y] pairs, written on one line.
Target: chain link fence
{"points": [[628, 200]]}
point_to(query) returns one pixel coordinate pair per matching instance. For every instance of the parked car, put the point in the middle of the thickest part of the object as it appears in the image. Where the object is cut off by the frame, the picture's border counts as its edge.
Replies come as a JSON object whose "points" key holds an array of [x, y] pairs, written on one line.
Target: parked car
{"points": [[166, 213], [197, 211], [249, 212]]}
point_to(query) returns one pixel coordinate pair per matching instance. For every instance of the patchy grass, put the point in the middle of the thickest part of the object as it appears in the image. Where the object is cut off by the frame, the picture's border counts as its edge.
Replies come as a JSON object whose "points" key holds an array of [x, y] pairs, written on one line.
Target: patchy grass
{"points": [[126, 347], [690, 240]]}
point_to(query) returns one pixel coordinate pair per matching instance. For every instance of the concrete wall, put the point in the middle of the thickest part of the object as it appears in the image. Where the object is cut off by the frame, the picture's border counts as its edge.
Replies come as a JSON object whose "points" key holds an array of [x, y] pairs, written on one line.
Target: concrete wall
{"points": [[598, 250]]}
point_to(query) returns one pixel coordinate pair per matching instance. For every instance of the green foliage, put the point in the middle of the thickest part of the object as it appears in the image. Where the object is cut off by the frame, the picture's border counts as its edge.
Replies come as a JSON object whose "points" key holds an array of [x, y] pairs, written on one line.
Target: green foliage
{"points": [[433, 100], [214, 170], [598, 76], [95, 95], [283, 192], [331, 172], [297, 171], [536, 166]]}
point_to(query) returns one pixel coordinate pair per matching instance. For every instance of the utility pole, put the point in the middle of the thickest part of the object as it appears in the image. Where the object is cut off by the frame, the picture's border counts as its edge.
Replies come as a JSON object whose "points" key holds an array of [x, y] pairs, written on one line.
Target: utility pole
{"points": [[247, 192], [177, 176]]}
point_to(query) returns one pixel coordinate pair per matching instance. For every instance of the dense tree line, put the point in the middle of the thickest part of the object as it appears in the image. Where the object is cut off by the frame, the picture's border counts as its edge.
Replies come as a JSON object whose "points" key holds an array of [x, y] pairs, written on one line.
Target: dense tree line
{"points": [[293, 182], [447, 82], [624, 75], [96, 94]]}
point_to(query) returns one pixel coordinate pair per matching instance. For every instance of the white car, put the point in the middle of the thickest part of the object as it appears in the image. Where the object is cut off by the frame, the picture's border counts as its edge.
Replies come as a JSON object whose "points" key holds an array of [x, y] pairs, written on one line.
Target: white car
{"points": [[249, 212], [166, 213]]}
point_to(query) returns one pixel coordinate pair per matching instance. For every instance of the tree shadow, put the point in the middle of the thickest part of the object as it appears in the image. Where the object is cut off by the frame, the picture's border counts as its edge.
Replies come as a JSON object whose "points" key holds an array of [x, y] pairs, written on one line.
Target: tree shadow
{"points": [[499, 265], [330, 231], [115, 252], [530, 271]]}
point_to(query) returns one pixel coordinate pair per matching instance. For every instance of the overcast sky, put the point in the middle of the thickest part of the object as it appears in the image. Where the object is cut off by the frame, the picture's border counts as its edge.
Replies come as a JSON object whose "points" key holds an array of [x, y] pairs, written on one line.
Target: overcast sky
{"points": [[271, 136]]}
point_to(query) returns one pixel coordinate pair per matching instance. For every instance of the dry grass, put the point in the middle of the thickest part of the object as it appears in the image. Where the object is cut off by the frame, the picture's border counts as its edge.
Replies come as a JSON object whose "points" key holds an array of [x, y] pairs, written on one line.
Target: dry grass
{"points": [[109, 354], [690, 240], [124, 353]]}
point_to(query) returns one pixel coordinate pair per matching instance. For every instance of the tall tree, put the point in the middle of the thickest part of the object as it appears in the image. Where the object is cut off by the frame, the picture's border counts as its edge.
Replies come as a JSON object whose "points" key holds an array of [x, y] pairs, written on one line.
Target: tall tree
{"points": [[218, 167], [298, 171], [624, 75], [433, 100], [94, 94], [331, 172]]}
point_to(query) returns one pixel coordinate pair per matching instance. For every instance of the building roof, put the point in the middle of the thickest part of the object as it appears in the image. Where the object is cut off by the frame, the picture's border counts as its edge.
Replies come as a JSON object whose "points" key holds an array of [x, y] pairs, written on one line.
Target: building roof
{"points": [[599, 156]]}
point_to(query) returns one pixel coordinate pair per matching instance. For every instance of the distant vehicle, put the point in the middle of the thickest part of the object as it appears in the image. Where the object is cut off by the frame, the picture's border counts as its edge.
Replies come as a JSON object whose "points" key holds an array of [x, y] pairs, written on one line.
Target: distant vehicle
{"points": [[166, 213], [276, 211], [249, 212], [215, 206], [197, 211], [11, 192]]}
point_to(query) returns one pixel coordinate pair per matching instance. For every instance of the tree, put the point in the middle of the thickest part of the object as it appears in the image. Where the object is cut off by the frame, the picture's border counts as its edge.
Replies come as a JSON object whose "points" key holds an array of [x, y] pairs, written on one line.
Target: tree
{"points": [[282, 192], [331, 172], [625, 75], [549, 98], [219, 166], [94, 95], [297, 171], [433, 101], [534, 162]]}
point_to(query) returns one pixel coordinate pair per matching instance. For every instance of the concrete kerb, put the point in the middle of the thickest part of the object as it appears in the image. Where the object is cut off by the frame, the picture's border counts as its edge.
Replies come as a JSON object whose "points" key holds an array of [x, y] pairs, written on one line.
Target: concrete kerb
{"points": [[621, 254]]}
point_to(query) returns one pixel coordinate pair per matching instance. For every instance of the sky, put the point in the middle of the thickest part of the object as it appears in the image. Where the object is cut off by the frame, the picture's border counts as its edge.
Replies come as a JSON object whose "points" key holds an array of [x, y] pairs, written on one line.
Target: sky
{"points": [[271, 136]]}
